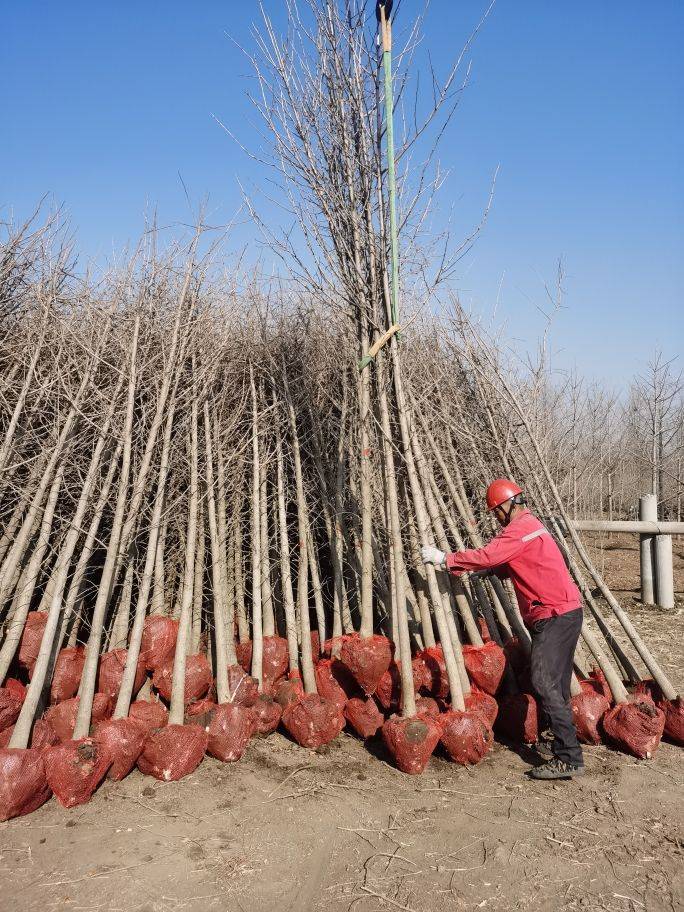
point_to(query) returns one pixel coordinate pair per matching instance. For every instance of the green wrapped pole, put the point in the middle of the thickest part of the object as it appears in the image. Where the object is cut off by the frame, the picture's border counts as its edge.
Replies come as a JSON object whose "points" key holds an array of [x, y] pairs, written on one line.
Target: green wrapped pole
{"points": [[384, 9]]}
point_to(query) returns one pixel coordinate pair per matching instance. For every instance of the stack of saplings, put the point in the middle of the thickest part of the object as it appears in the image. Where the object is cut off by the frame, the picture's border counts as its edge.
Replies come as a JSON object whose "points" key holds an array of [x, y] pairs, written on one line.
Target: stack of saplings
{"points": [[211, 530], [212, 501]]}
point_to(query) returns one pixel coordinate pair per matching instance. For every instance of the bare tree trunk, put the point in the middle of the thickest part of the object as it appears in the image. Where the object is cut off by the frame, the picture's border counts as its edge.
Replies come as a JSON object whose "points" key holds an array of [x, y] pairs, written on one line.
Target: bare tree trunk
{"points": [[243, 626], [20, 403], [303, 574], [198, 581], [177, 708], [155, 543], [229, 593], [75, 586], [89, 675], [257, 628], [159, 592], [365, 463], [16, 552], [285, 571], [222, 637], [425, 534], [266, 591], [408, 707], [119, 633], [317, 587], [25, 595]]}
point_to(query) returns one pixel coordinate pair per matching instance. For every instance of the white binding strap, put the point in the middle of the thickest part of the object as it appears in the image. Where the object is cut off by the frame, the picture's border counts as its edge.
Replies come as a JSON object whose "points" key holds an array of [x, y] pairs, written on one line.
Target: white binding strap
{"points": [[535, 534]]}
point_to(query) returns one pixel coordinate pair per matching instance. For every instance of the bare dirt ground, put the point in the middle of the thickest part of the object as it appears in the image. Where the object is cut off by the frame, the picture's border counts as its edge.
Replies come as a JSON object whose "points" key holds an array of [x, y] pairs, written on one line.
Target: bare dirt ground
{"points": [[290, 830]]}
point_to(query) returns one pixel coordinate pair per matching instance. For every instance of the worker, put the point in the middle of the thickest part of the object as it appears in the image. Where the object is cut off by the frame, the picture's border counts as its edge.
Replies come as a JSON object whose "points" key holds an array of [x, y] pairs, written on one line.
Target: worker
{"points": [[550, 606]]}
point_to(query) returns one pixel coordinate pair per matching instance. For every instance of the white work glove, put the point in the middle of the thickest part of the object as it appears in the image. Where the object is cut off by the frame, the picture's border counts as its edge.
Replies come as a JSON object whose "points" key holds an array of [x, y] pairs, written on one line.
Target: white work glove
{"points": [[432, 555]]}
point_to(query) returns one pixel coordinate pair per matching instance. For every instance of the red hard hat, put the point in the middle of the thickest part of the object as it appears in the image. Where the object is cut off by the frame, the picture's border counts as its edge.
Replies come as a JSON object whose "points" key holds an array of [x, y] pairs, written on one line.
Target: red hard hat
{"points": [[500, 491]]}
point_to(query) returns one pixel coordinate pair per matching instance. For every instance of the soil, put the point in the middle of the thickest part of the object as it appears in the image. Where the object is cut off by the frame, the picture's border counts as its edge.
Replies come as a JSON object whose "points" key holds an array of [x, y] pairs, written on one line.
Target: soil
{"points": [[292, 830]]}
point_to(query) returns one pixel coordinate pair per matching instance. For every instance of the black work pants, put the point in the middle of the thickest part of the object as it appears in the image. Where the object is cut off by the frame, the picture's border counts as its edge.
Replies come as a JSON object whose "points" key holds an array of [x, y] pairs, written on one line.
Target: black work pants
{"points": [[553, 647]]}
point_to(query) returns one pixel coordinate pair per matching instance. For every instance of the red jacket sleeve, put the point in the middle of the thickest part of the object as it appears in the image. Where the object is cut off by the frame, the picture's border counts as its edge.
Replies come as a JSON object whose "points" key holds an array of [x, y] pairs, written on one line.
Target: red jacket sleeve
{"points": [[499, 551]]}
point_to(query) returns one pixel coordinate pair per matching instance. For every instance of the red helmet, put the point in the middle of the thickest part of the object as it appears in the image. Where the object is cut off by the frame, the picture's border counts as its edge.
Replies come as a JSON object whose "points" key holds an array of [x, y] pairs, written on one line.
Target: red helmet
{"points": [[500, 491]]}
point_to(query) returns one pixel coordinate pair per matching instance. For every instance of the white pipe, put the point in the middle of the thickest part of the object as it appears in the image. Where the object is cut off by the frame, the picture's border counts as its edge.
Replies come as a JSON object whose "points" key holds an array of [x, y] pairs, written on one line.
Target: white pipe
{"points": [[664, 580], [648, 511], [643, 528]]}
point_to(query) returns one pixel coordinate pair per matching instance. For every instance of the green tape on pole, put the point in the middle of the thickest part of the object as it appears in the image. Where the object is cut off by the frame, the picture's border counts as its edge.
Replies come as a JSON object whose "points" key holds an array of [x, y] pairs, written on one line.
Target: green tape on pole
{"points": [[392, 180]]}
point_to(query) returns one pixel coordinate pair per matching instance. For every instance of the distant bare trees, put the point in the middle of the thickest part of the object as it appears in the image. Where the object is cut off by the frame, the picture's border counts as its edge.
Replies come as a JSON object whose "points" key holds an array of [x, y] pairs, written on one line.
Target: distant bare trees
{"points": [[605, 447]]}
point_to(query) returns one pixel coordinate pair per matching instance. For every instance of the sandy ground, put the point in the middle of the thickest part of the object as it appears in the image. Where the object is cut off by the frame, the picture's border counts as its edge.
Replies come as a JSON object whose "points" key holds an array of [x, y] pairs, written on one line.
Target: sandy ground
{"points": [[290, 830]]}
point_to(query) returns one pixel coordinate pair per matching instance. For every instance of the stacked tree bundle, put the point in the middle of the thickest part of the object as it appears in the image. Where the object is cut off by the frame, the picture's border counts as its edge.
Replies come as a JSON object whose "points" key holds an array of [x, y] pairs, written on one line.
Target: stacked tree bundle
{"points": [[211, 526]]}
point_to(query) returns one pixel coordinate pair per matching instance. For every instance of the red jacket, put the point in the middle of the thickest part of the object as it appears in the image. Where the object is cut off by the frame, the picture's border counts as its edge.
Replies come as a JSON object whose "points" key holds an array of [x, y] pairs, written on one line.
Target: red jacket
{"points": [[529, 555]]}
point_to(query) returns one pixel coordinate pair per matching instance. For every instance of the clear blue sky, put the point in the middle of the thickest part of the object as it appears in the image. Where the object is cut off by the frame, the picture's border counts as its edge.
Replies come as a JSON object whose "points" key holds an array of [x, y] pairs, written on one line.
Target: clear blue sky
{"points": [[103, 104]]}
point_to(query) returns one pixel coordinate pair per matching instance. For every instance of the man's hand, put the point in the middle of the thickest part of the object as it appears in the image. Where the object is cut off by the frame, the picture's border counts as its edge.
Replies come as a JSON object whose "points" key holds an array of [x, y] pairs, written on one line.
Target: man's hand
{"points": [[432, 555]]}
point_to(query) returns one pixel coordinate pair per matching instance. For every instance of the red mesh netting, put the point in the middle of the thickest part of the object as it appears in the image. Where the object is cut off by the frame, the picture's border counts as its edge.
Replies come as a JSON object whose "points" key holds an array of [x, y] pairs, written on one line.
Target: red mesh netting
{"points": [[516, 656], [158, 640], [674, 719], [31, 637], [313, 720], [267, 715], [363, 715], [388, 691], [150, 713], [335, 643], [230, 729], [635, 728], [597, 682], [367, 659], [74, 769], [483, 703], [243, 651], [23, 783], [484, 630], [422, 677], [67, 673], [517, 718], [436, 679], [673, 709], [123, 740], [198, 678], [288, 691], [62, 716], [43, 735], [467, 737], [588, 708], [111, 669], [275, 661], [411, 741], [244, 689], [315, 645], [173, 752], [334, 682], [485, 665], [16, 688], [649, 689], [10, 707], [199, 708], [427, 706]]}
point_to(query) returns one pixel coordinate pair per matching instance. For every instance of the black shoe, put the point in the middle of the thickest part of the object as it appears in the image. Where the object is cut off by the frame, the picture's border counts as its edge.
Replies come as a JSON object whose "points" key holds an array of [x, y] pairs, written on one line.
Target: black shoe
{"points": [[544, 749], [556, 769]]}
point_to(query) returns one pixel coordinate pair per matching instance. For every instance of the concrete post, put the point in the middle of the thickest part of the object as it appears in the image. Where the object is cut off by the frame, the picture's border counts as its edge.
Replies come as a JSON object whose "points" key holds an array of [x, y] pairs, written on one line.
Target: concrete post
{"points": [[664, 578], [648, 511]]}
